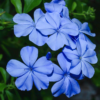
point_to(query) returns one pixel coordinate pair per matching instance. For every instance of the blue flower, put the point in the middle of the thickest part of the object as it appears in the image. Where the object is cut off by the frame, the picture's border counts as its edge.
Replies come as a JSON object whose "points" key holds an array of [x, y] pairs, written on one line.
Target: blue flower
{"points": [[81, 59], [32, 71], [61, 2], [65, 83], [55, 7], [84, 28], [26, 26], [59, 29]]}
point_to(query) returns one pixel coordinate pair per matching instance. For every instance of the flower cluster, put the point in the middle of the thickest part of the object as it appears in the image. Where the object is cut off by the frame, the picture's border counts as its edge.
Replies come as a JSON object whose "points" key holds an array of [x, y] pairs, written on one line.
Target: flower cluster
{"points": [[57, 30]]}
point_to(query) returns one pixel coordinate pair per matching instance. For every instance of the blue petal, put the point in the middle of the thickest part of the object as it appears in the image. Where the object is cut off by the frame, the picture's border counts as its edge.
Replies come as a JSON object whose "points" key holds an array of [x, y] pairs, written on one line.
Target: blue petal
{"points": [[70, 54], [65, 12], [57, 41], [25, 82], [37, 38], [57, 74], [38, 13], [56, 89], [40, 84], [75, 62], [90, 45], [72, 44], [48, 55], [78, 77], [90, 56], [44, 27], [43, 66], [81, 46], [65, 65], [61, 2], [85, 29], [77, 22], [23, 19], [76, 69], [29, 55], [52, 7], [87, 69], [16, 68], [53, 19], [22, 29], [68, 27], [73, 88]]}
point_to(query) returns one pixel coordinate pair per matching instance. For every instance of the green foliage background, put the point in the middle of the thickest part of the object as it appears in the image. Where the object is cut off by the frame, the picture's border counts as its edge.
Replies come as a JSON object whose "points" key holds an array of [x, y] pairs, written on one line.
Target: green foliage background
{"points": [[10, 46]]}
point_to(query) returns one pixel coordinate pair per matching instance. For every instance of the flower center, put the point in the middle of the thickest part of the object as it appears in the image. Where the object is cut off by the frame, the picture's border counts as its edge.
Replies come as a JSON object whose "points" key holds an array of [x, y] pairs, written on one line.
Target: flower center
{"points": [[80, 57]]}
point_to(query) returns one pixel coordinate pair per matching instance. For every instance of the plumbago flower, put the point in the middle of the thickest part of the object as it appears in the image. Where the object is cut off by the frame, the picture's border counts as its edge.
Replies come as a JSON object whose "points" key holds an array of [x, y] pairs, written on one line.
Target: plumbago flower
{"points": [[59, 29], [66, 84], [81, 59], [84, 28], [61, 2], [26, 26], [32, 71], [58, 7]]}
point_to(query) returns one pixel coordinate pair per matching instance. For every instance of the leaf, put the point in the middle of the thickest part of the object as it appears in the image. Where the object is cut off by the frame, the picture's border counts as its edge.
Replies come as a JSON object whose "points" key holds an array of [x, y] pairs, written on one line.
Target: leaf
{"points": [[6, 5], [5, 16], [6, 51], [3, 73], [9, 95], [2, 97], [74, 5], [1, 56], [2, 86], [30, 4], [18, 5]]}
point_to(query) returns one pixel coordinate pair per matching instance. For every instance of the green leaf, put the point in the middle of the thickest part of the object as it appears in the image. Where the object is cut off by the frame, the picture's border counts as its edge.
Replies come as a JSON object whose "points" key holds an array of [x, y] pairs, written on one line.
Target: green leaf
{"points": [[3, 73], [2, 86], [2, 97], [5, 5], [9, 95], [5, 16], [30, 4], [74, 5], [18, 5], [6, 50], [1, 56]]}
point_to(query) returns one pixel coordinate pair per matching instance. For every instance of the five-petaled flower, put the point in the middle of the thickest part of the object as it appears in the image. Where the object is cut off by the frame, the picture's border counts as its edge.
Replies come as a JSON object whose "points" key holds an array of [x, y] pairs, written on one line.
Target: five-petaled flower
{"points": [[32, 71], [26, 26], [80, 59], [66, 84]]}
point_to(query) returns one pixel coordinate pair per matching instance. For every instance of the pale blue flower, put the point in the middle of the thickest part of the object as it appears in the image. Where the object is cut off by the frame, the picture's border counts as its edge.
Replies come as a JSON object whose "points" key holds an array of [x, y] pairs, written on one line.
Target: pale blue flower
{"points": [[59, 29], [32, 71], [84, 29], [81, 59], [66, 84], [26, 26]]}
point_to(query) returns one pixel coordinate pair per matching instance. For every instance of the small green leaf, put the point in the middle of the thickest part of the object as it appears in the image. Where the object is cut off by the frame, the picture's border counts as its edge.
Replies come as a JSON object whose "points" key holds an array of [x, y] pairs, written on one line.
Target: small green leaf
{"points": [[18, 5], [30, 4], [9, 95], [3, 73], [2, 97], [5, 16], [74, 5], [2, 86]]}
